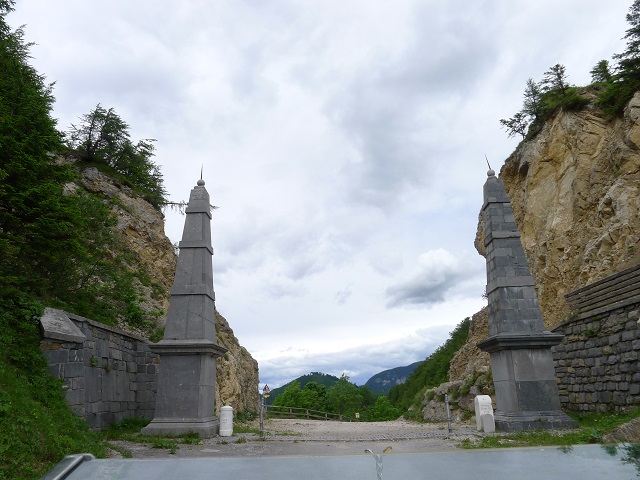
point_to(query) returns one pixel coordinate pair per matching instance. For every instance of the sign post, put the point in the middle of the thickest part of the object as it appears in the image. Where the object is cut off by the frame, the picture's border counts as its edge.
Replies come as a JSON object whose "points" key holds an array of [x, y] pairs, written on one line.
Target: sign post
{"points": [[265, 394]]}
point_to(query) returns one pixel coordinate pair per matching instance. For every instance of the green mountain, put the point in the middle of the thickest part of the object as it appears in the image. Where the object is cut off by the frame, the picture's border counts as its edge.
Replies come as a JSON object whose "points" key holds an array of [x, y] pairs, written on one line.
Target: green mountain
{"points": [[320, 378], [381, 383]]}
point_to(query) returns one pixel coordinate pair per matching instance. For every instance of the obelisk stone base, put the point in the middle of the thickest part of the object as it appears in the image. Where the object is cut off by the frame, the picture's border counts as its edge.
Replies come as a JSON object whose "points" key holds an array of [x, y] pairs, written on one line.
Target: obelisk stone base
{"points": [[205, 428], [525, 382], [186, 389]]}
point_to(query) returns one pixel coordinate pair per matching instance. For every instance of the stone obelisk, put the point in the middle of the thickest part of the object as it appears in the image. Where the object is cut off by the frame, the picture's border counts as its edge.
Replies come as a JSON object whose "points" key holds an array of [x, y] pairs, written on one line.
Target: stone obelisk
{"points": [[520, 347], [185, 400]]}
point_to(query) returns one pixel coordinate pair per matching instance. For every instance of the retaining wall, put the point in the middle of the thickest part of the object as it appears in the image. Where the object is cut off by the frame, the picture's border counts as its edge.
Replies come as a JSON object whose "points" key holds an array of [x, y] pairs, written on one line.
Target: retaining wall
{"points": [[597, 363], [108, 374]]}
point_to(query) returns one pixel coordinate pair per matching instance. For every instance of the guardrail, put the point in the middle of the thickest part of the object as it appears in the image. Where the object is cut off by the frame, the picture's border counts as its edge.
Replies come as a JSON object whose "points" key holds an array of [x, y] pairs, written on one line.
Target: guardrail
{"points": [[297, 412]]}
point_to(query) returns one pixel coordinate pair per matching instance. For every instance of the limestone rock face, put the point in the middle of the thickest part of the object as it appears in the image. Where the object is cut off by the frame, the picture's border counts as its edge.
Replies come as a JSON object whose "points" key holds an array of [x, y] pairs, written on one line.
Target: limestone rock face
{"points": [[470, 360], [575, 195], [141, 227], [237, 373], [574, 191]]}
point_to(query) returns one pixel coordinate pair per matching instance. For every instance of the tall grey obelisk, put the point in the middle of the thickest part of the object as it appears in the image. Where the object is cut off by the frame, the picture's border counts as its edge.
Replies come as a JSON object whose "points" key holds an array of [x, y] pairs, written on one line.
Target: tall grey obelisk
{"points": [[520, 347], [185, 400]]}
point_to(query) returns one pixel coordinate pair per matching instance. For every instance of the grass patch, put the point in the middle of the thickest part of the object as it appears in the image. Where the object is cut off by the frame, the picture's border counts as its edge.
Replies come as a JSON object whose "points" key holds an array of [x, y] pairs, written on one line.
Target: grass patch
{"points": [[191, 438], [125, 429], [242, 440], [246, 429], [592, 428], [164, 443]]}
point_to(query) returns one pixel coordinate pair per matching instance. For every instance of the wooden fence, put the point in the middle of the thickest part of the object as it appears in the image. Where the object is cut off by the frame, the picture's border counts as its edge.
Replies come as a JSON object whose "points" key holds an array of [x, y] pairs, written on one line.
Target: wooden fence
{"points": [[278, 411]]}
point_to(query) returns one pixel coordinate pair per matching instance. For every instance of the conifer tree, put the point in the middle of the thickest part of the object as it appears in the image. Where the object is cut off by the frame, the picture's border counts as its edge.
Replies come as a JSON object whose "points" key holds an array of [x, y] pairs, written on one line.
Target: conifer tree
{"points": [[601, 73]]}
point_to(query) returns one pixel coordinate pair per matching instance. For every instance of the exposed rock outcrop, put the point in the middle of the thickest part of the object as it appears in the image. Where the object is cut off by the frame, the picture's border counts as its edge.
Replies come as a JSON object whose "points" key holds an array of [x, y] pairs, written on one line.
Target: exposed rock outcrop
{"points": [[574, 191], [237, 372], [470, 360], [575, 194], [141, 227]]}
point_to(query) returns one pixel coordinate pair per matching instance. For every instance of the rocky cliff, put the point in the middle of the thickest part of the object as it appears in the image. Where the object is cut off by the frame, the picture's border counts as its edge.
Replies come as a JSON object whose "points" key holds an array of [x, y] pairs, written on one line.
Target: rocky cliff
{"points": [[574, 190], [141, 227]]}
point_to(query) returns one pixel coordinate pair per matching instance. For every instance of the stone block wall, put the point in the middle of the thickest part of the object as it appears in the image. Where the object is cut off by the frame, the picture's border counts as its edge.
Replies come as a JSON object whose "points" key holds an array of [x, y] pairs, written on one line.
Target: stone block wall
{"points": [[597, 363], [108, 374]]}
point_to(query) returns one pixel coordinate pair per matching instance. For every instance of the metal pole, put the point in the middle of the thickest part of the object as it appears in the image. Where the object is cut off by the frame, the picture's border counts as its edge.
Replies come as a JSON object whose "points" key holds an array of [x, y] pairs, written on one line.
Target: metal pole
{"points": [[261, 416], [446, 402]]}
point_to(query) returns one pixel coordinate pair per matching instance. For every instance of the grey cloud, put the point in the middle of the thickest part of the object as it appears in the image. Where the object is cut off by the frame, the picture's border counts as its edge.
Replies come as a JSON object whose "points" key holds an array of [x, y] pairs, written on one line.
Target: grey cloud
{"points": [[437, 272], [394, 112]]}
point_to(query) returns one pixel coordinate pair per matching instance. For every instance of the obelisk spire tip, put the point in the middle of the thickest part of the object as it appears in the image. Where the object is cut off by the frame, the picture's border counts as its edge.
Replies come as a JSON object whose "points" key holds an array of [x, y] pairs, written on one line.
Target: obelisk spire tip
{"points": [[490, 173]]}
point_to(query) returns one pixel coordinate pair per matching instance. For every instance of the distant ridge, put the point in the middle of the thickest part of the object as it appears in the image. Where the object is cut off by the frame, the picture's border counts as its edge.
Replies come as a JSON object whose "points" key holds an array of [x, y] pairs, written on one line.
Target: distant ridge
{"points": [[382, 382], [318, 377]]}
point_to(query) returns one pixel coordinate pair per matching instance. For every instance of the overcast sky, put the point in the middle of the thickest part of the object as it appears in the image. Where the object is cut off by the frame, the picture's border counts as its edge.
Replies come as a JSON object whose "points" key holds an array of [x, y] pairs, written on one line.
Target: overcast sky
{"points": [[344, 142]]}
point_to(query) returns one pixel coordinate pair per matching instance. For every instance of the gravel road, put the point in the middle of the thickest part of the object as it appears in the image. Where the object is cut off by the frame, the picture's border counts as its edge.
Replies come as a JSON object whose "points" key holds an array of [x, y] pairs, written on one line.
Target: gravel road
{"points": [[315, 437]]}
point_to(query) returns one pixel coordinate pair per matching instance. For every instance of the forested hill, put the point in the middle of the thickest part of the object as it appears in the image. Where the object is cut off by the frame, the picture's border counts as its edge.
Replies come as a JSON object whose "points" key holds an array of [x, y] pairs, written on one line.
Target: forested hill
{"points": [[318, 377]]}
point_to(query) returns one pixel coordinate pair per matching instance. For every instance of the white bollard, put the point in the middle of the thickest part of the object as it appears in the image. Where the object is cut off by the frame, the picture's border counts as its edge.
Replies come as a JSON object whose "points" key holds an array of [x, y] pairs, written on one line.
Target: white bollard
{"points": [[488, 422], [482, 404], [226, 421]]}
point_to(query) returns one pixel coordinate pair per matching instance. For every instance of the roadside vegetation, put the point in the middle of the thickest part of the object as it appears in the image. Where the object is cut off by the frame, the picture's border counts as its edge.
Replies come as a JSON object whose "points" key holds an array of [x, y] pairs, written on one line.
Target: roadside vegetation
{"points": [[56, 249], [432, 372], [592, 429], [342, 398]]}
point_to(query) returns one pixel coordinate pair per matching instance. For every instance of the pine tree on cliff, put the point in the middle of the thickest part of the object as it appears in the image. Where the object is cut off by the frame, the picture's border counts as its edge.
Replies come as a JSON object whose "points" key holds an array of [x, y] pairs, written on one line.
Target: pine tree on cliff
{"points": [[629, 60], [626, 79]]}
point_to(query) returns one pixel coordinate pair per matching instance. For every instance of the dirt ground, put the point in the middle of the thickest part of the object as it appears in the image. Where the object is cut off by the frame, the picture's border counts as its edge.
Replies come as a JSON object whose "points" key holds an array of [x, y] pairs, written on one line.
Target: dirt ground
{"points": [[315, 437]]}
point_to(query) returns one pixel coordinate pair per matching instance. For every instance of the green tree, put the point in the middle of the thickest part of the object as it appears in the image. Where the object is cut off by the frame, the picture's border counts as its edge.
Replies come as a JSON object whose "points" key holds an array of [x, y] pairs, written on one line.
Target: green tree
{"points": [[516, 125], [35, 219], [629, 60], [313, 396], [344, 398], [382, 410], [555, 79], [532, 103], [290, 397], [103, 137], [601, 73], [626, 78], [45, 248], [520, 123]]}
